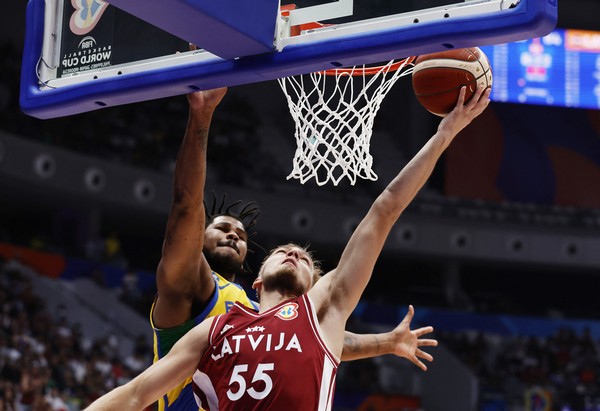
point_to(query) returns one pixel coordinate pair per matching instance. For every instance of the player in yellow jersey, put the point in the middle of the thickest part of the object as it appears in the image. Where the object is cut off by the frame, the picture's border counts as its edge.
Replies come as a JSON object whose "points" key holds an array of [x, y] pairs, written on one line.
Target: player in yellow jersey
{"points": [[203, 251]]}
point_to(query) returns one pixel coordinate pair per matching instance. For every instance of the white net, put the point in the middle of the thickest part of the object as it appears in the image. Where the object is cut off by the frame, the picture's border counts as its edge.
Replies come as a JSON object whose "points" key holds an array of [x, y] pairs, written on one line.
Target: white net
{"points": [[334, 117]]}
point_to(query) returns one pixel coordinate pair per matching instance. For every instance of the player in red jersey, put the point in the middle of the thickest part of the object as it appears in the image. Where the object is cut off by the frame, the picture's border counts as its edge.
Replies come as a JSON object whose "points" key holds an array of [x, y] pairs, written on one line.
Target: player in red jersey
{"points": [[269, 360], [203, 250], [286, 292]]}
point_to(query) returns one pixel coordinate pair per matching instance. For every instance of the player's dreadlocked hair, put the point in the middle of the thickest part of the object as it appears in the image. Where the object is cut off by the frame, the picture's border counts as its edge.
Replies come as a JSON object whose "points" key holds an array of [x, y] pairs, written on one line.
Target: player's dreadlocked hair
{"points": [[247, 215]]}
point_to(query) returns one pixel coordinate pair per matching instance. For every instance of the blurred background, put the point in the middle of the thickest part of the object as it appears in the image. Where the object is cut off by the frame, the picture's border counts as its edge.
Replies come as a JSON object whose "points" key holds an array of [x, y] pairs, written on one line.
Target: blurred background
{"points": [[500, 252]]}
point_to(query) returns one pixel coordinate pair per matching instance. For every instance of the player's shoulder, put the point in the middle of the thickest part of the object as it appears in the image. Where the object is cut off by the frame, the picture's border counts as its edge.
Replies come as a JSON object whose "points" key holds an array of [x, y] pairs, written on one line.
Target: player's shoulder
{"points": [[222, 282], [231, 291]]}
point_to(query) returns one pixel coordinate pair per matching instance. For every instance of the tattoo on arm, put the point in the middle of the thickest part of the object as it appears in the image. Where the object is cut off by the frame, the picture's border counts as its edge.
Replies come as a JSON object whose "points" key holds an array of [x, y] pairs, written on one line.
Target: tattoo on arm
{"points": [[350, 343], [363, 345]]}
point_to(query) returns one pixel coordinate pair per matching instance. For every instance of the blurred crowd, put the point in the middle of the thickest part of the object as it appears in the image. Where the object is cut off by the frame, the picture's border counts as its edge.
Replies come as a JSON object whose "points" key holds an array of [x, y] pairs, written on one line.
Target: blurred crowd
{"points": [[46, 363], [565, 366]]}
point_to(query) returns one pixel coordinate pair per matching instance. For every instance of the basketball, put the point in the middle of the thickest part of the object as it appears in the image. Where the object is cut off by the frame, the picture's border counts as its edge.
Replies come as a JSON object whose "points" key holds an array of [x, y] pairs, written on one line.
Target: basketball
{"points": [[438, 77]]}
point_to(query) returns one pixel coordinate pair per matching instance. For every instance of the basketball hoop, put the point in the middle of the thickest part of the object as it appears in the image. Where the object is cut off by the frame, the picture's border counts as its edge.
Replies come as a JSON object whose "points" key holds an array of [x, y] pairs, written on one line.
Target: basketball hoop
{"points": [[334, 123]]}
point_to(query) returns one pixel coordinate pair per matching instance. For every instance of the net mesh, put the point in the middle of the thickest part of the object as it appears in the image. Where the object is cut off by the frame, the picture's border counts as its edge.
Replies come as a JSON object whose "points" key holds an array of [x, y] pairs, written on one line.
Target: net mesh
{"points": [[334, 113]]}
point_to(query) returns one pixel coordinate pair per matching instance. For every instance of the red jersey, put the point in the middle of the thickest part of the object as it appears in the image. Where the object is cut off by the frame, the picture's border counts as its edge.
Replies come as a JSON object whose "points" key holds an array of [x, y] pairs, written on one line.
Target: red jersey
{"points": [[276, 360]]}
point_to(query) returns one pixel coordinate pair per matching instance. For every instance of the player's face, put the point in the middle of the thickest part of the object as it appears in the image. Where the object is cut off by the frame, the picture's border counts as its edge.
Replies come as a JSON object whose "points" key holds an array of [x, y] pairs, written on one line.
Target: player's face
{"points": [[226, 239], [289, 267]]}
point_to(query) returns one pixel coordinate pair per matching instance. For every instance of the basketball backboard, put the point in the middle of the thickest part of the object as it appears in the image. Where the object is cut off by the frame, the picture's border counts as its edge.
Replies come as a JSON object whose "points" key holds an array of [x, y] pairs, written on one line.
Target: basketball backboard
{"points": [[83, 55]]}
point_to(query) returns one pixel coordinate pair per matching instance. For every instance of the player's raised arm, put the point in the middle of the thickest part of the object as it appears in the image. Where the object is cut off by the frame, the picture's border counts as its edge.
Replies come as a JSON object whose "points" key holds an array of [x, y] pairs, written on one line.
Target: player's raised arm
{"points": [[401, 341], [339, 291], [156, 380], [183, 274]]}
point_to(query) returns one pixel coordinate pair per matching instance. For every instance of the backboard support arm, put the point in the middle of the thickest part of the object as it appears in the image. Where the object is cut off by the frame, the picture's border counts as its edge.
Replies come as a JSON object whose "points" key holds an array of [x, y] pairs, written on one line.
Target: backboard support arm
{"points": [[321, 12]]}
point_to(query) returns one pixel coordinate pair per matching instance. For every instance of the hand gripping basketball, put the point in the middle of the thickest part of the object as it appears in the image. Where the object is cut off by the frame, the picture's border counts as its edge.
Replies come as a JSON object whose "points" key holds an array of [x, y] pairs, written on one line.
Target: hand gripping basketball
{"points": [[438, 77]]}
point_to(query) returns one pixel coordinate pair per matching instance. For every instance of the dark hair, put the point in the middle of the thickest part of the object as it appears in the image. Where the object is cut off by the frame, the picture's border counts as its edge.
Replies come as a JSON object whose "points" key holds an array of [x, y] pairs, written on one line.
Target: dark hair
{"points": [[249, 212], [246, 215]]}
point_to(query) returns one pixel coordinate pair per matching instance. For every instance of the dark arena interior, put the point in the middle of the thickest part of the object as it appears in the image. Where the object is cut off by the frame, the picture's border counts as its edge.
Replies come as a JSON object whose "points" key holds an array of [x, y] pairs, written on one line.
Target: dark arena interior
{"points": [[499, 252]]}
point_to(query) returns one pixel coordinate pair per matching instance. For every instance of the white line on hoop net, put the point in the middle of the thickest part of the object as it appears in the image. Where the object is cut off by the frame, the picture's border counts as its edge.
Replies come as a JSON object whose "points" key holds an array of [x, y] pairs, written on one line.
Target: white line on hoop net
{"points": [[334, 125]]}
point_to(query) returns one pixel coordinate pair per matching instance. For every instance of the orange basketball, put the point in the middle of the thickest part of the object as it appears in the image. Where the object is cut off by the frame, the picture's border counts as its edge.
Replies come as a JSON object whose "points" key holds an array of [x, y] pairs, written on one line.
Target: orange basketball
{"points": [[438, 77]]}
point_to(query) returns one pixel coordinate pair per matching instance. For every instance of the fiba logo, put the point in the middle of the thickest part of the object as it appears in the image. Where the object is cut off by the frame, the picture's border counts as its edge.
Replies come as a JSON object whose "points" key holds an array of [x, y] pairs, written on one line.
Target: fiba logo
{"points": [[288, 312], [86, 15], [89, 56], [87, 42]]}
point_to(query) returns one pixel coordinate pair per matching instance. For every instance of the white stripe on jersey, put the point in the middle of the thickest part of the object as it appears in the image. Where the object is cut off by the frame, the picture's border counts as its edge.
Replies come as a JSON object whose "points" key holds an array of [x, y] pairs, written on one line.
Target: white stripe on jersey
{"points": [[206, 386], [327, 385], [213, 327], [316, 328]]}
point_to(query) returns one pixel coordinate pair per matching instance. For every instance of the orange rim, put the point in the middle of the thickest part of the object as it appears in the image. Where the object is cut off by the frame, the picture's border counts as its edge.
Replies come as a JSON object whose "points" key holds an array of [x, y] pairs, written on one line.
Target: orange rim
{"points": [[369, 71]]}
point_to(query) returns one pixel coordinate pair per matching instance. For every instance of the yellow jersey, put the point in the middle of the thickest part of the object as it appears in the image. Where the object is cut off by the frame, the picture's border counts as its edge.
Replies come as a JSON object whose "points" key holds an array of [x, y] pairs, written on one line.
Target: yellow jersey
{"points": [[226, 293]]}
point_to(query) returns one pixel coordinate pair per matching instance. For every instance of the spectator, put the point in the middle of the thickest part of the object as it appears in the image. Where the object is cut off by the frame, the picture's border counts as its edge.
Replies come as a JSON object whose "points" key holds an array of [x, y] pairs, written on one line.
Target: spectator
{"points": [[130, 291], [55, 400]]}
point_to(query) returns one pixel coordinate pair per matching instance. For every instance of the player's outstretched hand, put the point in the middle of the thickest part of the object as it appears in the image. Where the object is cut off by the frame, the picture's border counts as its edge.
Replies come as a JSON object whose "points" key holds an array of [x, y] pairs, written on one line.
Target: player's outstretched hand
{"points": [[408, 342], [205, 99], [464, 113]]}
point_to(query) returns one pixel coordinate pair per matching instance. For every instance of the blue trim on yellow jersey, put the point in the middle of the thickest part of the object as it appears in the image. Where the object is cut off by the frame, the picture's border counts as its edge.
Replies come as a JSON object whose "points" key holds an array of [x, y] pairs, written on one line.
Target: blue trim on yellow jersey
{"points": [[220, 302], [211, 304]]}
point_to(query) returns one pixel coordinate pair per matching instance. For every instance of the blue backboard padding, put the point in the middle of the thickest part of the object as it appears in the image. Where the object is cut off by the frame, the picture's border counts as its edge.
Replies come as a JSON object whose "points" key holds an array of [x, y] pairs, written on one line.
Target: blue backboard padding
{"points": [[226, 28], [531, 18]]}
